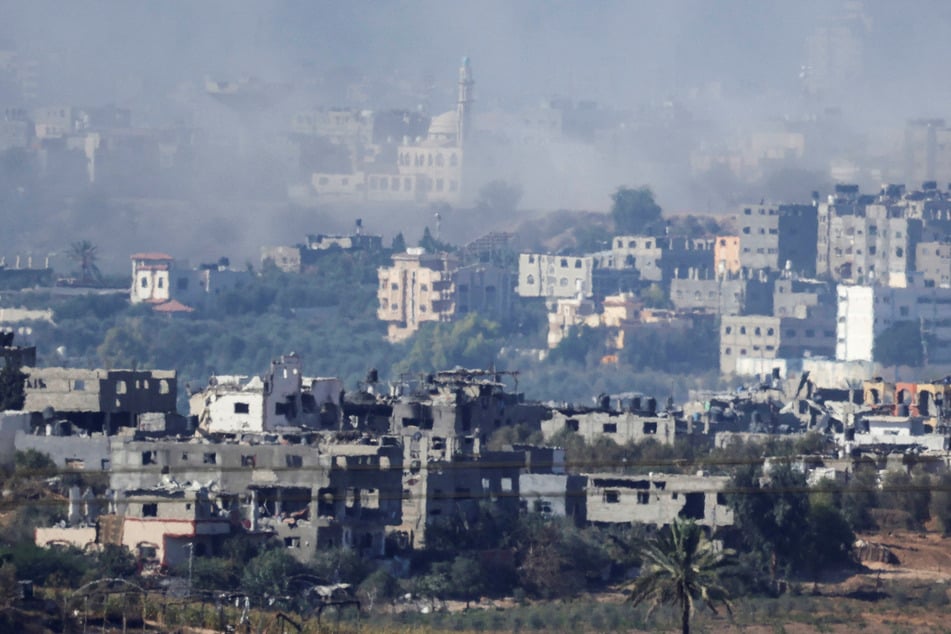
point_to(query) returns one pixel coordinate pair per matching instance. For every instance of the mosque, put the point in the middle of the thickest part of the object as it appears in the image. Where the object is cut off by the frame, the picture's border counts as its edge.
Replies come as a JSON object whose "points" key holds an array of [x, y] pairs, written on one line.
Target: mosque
{"points": [[425, 170]]}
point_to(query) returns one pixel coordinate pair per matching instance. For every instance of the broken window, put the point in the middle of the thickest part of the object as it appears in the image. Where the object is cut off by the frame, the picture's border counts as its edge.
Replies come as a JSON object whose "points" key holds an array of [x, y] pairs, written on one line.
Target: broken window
{"points": [[292, 542], [612, 496], [209, 458], [247, 461], [370, 498], [150, 509], [148, 457], [571, 424], [650, 428]]}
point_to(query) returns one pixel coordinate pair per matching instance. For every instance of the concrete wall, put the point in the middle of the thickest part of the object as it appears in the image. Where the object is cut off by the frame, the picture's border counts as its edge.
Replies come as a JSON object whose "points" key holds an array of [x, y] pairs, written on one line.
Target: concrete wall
{"points": [[657, 499], [87, 453], [11, 423], [621, 427], [80, 537]]}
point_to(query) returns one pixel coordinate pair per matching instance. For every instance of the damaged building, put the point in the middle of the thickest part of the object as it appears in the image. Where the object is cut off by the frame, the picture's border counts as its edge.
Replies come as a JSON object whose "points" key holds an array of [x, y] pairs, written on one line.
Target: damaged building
{"points": [[281, 398], [99, 400], [657, 499], [636, 421]]}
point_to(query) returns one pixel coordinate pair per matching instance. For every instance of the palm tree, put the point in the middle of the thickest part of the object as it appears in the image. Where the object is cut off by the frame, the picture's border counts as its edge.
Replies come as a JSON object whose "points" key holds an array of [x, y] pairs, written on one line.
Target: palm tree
{"points": [[84, 253], [680, 567]]}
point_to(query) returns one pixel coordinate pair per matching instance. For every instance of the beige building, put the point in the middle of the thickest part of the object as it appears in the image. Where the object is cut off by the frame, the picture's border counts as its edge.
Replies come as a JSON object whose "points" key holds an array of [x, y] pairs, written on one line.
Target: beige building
{"points": [[933, 261], [421, 287], [726, 255], [151, 277]]}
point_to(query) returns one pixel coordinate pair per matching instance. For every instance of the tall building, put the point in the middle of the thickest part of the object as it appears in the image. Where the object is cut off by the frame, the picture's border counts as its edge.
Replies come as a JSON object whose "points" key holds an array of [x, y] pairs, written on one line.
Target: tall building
{"points": [[778, 237], [424, 287]]}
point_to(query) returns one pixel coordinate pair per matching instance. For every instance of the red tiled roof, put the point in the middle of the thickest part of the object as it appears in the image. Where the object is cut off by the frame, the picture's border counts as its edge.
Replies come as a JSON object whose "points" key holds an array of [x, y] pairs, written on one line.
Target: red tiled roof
{"points": [[173, 306]]}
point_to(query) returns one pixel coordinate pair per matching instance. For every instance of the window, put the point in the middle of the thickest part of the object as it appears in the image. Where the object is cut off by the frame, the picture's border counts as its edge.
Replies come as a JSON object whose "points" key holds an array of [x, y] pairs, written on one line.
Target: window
{"points": [[643, 497], [292, 542], [209, 458], [650, 428], [241, 408], [294, 461], [247, 461], [79, 385], [145, 282], [150, 509], [610, 428], [612, 496], [120, 387], [148, 457], [160, 283]]}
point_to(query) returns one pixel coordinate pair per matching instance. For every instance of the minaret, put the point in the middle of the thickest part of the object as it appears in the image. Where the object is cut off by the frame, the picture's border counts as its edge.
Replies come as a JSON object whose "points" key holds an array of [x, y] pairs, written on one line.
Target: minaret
{"points": [[464, 107]]}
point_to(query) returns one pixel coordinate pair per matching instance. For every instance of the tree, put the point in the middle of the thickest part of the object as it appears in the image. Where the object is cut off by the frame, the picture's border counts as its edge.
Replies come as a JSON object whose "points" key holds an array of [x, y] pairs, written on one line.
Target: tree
{"points": [[11, 387], [432, 245], [900, 344], [635, 212], [940, 506], [399, 243], [772, 516], [84, 253], [466, 578], [681, 567], [860, 496], [828, 541]]}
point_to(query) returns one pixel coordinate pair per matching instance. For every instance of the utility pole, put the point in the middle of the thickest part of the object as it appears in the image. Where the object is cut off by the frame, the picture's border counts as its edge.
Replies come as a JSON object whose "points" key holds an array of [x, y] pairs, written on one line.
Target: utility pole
{"points": [[191, 561]]}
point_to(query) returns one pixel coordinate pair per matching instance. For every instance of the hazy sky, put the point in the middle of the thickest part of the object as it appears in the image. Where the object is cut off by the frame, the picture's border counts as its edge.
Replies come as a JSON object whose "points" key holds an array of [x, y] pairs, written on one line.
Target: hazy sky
{"points": [[734, 64], [615, 50]]}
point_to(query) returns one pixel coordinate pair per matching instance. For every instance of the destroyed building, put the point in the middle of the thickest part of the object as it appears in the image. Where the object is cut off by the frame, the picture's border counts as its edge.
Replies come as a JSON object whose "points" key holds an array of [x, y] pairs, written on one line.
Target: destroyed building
{"points": [[636, 421], [657, 499], [282, 397], [98, 400]]}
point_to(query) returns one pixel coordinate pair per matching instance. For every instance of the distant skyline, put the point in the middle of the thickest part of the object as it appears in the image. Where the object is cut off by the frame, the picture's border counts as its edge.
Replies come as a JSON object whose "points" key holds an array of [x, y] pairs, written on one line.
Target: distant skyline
{"points": [[618, 52]]}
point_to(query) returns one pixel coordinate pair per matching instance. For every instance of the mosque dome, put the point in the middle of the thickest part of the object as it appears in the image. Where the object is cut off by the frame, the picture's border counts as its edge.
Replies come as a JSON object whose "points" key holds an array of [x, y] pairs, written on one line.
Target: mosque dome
{"points": [[444, 126]]}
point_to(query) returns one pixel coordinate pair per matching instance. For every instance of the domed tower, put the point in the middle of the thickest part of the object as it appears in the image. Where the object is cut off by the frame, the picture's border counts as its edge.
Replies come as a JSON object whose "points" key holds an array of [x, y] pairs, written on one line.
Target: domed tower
{"points": [[464, 107]]}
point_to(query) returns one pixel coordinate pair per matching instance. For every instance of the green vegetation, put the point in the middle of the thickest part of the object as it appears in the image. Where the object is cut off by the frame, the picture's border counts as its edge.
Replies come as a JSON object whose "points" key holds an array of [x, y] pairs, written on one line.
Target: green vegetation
{"points": [[635, 212], [900, 344], [681, 567]]}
